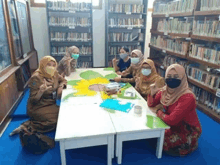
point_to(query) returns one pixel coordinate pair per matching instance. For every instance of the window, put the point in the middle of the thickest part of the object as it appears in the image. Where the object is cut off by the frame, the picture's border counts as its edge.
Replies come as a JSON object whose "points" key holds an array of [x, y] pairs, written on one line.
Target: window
{"points": [[97, 4], [37, 3]]}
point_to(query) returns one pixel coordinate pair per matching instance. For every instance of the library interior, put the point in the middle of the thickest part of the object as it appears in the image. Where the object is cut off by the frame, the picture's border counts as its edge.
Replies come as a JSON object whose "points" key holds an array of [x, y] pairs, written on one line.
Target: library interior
{"points": [[82, 79]]}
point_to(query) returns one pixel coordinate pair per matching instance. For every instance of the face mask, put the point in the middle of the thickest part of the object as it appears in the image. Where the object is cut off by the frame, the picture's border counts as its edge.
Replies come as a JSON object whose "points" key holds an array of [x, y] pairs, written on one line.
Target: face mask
{"points": [[123, 56], [134, 60], [173, 82], [50, 70], [75, 56], [146, 72]]}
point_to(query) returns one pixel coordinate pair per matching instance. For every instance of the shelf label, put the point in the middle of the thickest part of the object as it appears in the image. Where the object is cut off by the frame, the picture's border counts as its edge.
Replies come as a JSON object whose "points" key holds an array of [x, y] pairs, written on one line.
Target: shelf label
{"points": [[130, 28], [71, 11], [72, 27], [166, 15], [218, 93], [129, 13], [164, 51]]}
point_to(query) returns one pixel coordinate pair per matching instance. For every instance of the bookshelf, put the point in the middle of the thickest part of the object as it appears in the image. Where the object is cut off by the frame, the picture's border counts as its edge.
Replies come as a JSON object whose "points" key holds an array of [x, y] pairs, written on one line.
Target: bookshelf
{"points": [[125, 26], [202, 53], [70, 24]]}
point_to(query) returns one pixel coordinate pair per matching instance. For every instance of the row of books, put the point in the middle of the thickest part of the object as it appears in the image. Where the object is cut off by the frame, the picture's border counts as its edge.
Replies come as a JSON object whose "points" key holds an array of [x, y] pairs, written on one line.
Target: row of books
{"points": [[126, 22], [173, 45], [209, 28], [60, 36], [201, 52], [206, 78], [69, 21], [161, 72], [175, 26], [169, 60], [68, 5], [206, 98], [114, 50], [62, 50], [126, 8], [116, 37], [84, 64], [207, 5], [180, 6]]}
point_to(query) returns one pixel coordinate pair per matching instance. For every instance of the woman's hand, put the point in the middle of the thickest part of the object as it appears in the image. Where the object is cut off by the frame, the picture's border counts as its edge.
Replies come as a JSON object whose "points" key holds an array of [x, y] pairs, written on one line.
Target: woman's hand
{"points": [[154, 89], [45, 87], [119, 73], [123, 73], [114, 61], [117, 79]]}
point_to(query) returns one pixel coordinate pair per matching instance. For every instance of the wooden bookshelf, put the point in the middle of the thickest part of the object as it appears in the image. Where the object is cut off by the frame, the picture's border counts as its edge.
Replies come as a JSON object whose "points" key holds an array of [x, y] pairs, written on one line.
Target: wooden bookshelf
{"points": [[205, 13], [158, 15], [179, 35], [205, 38], [212, 114], [187, 14], [203, 62], [155, 48], [157, 32]]}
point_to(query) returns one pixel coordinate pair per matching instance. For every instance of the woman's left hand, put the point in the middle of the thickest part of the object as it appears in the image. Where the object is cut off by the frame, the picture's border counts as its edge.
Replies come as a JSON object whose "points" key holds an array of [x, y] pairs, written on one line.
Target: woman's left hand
{"points": [[117, 79]]}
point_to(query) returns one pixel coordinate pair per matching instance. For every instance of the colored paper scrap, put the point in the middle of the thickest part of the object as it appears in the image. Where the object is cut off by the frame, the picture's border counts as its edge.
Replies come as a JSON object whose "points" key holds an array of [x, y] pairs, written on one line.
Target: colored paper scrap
{"points": [[109, 69], [89, 74], [155, 122], [115, 104], [111, 76]]}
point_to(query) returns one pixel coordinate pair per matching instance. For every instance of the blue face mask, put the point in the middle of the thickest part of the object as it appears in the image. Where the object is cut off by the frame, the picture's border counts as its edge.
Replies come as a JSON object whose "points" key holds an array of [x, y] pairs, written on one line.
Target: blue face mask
{"points": [[75, 56], [123, 56], [134, 60], [146, 72]]}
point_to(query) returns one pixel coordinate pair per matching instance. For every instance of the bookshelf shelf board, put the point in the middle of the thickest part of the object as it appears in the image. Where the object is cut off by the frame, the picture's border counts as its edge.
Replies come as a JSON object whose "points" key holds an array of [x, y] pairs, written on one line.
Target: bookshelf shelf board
{"points": [[121, 43], [129, 14], [23, 60], [206, 38], [158, 15], [111, 28], [187, 14], [153, 47], [68, 11], [78, 29], [208, 112], [64, 43], [68, 14], [202, 86], [201, 13], [179, 35], [203, 62], [156, 32]]}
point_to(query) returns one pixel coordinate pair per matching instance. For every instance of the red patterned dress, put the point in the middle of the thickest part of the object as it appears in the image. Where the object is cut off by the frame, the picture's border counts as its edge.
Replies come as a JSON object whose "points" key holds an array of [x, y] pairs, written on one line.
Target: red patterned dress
{"points": [[185, 129]]}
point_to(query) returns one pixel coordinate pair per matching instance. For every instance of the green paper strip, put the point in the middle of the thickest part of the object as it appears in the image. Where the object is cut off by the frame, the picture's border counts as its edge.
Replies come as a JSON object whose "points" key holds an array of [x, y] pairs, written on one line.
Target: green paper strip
{"points": [[90, 75], [72, 82], [155, 122], [111, 76], [109, 69]]}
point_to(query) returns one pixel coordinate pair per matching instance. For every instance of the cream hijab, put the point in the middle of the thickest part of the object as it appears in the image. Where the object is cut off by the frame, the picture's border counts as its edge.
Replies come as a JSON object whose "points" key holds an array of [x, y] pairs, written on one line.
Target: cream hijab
{"points": [[170, 96], [140, 56]]}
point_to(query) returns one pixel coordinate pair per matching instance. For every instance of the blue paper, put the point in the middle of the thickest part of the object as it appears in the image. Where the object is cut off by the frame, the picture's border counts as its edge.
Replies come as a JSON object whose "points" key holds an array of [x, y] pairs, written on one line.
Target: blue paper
{"points": [[116, 105], [58, 102]]}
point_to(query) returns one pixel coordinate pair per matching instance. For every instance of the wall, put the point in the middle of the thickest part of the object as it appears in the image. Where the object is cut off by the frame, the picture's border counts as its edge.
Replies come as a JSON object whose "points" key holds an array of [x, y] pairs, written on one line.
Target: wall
{"points": [[99, 37], [40, 31]]}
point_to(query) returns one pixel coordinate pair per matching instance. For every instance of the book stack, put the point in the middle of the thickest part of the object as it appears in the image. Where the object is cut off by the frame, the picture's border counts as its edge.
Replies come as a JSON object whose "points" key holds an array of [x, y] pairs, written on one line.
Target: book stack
{"points": [[126, 8], [207, 5], [180, 6], [61, 51], [177, 46], [199, 51], [206, 98], [58, 36], [210, 28], [206, 78], [68, 5], [169, 60], [126, 22], [69, 21], [114, 50], [84, 37]]}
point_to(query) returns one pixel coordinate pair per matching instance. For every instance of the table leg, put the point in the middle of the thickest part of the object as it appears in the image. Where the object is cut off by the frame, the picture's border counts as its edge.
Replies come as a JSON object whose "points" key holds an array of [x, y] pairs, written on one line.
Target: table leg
{"points": [[113, 145], [62, 153], [160, 141], [119, 148], [116, 147], [109, 153]]}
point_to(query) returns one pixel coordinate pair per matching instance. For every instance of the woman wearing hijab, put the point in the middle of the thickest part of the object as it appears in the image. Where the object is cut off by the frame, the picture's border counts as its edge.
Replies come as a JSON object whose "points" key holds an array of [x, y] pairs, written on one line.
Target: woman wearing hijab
{"points": [[136, 60], [147, 76], [69, 61], [179, 112], [46, 86]]}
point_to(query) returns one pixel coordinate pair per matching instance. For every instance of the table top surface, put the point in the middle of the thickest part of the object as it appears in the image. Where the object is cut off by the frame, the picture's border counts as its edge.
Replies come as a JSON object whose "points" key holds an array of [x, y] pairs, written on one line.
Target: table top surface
{"points": [[83, 117]]}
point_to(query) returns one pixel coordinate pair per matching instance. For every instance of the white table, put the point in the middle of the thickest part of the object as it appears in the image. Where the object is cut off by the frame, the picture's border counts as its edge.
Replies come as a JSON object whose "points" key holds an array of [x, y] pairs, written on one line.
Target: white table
{"points": [[83, 126], [129, 127]]}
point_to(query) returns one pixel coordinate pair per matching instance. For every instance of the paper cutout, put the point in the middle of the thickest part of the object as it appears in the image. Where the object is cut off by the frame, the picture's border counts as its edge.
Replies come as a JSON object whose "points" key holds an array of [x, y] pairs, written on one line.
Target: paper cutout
{"points": [[117, 105], [109, 69], [72, 82], [90, 75], [155, 122], [111, 76]]}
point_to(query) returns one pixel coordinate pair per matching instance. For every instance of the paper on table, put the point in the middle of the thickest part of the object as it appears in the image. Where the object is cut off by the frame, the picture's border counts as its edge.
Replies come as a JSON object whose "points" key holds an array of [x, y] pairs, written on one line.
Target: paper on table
{"points": [[83, 100], [155, 122]]}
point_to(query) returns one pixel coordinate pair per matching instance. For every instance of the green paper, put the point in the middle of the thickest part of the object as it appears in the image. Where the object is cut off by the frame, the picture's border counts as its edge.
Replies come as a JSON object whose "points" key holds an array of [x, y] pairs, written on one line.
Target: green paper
{"points": [[90, 75], [109, 110], [72, 82], [111, 76], [128, 85], [68, 96], [109, 69], [121, 95], [155, 122]]}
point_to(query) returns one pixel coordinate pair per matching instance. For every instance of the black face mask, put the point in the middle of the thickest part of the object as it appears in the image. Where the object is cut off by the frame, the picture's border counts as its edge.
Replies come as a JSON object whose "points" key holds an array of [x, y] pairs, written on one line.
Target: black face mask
{"points": [[173, 82]]}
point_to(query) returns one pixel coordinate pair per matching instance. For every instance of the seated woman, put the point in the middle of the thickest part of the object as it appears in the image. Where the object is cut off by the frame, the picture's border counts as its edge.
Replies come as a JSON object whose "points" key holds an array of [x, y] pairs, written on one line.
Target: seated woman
{"points": [[147, 75], [69, 61], [46, 86], [136, 60], [179, 112], [124, 61]]}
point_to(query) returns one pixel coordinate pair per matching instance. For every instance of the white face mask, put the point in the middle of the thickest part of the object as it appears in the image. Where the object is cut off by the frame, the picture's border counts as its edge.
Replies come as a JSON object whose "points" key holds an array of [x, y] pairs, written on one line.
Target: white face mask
{"points": [[146, 72], [134, 60], [123, 56]]}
